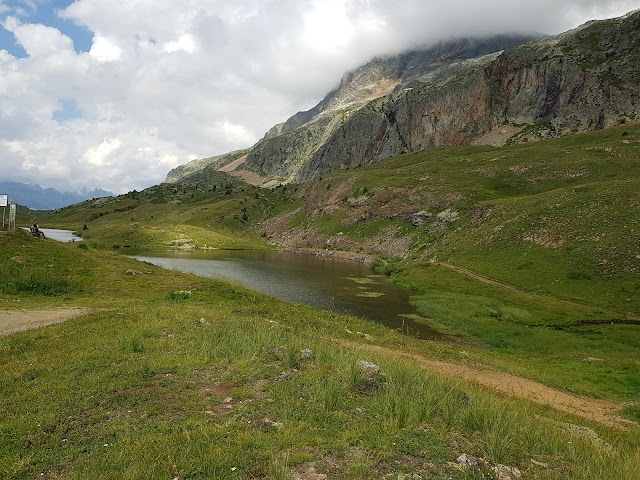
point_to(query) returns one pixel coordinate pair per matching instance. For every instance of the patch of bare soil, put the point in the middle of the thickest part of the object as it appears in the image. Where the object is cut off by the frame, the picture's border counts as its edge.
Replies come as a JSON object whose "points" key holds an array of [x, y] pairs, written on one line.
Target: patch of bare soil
{"points": [[232, 166], [12, 321], [600, 411], [248, 176]]}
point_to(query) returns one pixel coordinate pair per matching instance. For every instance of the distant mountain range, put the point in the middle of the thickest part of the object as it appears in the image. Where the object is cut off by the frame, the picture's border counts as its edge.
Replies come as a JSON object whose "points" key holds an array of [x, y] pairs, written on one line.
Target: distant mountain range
{"points": [[37, 198], [491, 91]]}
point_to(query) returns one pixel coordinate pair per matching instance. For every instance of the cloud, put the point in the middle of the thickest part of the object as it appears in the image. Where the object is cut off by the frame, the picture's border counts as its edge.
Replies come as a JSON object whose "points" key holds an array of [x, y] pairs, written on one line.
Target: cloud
{"points": [[38, 40], [104, 50], [186, 42], [165, 82]]}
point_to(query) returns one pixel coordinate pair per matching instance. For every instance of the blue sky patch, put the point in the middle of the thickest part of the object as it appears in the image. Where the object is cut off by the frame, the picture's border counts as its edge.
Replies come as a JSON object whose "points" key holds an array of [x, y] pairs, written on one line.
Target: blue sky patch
{"points": [[45, 13], [69, 111]]}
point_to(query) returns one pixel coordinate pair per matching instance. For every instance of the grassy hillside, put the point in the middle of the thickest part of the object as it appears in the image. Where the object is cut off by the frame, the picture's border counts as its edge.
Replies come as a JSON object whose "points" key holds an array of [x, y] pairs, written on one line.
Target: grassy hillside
{"points": [[168, 215], [530, 250], [558, 217], [169, 375]]}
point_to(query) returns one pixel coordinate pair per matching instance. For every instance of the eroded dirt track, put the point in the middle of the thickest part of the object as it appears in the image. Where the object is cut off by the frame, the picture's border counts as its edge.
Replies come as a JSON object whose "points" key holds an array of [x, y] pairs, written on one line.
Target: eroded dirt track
{"points": [[600, 411], [12, 321]]}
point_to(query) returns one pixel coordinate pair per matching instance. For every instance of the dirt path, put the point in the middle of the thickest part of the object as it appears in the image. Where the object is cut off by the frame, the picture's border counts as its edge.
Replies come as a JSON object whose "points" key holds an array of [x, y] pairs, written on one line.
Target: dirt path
{"points": [[12, 321], [597, 410], [480, 278]]}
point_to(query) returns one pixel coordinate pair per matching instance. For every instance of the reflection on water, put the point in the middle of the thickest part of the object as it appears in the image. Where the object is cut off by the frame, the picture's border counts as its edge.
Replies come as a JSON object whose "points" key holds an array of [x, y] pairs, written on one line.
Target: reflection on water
{"points": [[322, 283]]}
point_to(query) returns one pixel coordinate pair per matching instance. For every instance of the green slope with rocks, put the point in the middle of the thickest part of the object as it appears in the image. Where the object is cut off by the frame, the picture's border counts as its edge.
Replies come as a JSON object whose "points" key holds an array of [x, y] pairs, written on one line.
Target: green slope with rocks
{"points": [[530, 250]]}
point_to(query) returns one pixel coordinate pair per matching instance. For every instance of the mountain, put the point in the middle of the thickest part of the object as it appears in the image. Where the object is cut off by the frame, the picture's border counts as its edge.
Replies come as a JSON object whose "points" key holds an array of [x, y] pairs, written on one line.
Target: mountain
{"points": [[285, 147], [37, 198], [473, 91]]}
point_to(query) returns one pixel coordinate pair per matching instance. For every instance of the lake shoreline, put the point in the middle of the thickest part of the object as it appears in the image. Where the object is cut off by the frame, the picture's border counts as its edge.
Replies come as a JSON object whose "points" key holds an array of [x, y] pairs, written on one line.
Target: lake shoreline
{"points": [[341, 255]]}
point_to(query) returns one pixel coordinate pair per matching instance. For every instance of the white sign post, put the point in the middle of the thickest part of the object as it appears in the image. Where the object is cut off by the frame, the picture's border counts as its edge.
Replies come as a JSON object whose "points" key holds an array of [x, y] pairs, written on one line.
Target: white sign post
{"points": [[4, 203], [12, 216]]}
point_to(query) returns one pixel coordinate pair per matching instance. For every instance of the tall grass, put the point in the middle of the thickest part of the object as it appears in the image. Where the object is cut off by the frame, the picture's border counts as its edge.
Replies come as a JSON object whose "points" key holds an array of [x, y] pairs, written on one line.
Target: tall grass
{"points": [[35, 280]]}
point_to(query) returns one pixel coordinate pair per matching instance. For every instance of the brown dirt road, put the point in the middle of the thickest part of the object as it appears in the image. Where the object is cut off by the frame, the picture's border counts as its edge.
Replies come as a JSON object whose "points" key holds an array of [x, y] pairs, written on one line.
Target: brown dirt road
{"points": [[12, 321], [600, 411]]}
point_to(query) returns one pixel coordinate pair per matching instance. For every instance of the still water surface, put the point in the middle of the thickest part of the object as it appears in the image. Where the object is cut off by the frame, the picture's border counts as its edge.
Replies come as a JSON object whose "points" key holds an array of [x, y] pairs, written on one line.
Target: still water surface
{"points": [[65, 236], [343, 287], [61, 235]]}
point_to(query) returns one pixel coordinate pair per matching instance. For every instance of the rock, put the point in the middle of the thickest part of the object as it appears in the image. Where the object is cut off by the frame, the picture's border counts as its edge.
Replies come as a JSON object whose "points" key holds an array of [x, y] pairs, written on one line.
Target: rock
{"points": [[306, 354], [131, 271], [504, 472], [420, 218], [19, 259], [372, 377], [367, 368], [468, 460], [447, 216]]}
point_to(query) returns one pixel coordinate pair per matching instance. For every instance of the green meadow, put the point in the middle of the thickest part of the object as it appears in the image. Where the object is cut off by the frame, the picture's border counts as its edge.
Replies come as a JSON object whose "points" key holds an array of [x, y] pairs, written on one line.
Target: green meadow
{"points": [[526, 256], [168, 375]]}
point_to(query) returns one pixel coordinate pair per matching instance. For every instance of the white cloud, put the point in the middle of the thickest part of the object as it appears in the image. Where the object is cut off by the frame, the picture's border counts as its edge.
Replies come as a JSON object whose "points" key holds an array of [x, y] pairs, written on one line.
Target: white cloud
{"points": [[186, 42], [165, 82], [237, 132], [101, 155], [38, 40], [104, 50]]}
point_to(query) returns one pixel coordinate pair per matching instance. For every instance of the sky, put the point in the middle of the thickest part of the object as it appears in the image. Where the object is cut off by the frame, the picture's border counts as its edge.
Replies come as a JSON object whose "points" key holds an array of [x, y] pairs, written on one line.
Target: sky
{"points": [[115, 93]]}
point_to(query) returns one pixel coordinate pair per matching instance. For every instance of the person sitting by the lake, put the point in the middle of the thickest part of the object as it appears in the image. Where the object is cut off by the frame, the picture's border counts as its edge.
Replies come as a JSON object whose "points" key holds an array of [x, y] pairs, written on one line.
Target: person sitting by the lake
{"points": [[35, 231]]}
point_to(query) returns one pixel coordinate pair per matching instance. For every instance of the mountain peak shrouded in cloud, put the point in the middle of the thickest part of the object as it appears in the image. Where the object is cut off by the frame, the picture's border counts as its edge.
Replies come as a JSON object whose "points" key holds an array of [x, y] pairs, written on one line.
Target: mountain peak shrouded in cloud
{"points": [[117, 93]]}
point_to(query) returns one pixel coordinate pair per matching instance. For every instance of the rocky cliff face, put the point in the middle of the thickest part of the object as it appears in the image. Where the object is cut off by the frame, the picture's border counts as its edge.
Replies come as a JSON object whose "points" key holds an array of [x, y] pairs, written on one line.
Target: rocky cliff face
{"points": [[287, 149], [583, 80], [462, 92]]}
